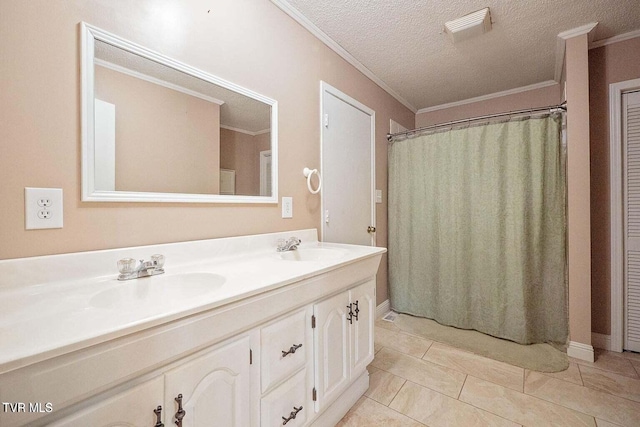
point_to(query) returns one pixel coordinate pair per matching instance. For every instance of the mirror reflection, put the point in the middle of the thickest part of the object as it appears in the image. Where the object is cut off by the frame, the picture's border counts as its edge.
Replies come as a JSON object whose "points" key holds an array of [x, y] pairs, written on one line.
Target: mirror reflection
{"points": [[161, 130]]}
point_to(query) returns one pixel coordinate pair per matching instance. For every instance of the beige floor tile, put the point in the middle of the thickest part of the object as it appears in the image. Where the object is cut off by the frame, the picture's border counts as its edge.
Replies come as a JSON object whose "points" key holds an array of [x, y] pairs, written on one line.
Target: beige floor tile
{"points": [[386, 325], [609, 361], [617, 384], [601, 405], [409, 344], [478, 366], [630, 355], [602, 423], [519, 407], [427, 374], [571, 374], [383, 386], [437, 410], [368, 413]]}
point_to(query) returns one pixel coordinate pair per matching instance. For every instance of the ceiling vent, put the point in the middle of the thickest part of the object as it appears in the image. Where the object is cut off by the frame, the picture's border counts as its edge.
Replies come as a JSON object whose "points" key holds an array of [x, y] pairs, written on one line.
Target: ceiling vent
{"points": [[471, 25]]}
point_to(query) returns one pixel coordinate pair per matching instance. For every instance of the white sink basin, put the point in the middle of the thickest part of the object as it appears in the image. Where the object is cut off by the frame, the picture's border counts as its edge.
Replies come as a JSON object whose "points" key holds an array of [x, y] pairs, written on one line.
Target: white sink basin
{"points": [[312, 254], [158, 290]]}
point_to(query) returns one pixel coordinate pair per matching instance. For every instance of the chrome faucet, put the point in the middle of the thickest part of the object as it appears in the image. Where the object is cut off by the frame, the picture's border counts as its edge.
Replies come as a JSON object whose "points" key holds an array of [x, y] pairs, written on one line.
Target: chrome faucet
{"points": [[144, 269], [288, 245]]}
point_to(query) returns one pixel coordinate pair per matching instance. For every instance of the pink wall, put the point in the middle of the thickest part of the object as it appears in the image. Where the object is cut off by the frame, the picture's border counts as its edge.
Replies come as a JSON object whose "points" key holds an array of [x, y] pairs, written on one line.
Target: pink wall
{"points": [[40, 111], [550, 95], [161, 131], [608, 64], [241, 152]]}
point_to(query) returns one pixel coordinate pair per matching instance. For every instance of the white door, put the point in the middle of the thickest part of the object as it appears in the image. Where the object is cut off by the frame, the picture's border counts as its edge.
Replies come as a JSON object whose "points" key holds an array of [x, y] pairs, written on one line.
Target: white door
{"points": [[347, 171], [631, 150], [364, 301], [331, 348], [215, 388]]}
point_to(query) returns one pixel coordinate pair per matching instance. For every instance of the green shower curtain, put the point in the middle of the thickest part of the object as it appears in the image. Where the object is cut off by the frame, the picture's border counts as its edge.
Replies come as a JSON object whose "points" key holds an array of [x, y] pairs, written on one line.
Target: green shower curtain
{"points": [[477, 229]]}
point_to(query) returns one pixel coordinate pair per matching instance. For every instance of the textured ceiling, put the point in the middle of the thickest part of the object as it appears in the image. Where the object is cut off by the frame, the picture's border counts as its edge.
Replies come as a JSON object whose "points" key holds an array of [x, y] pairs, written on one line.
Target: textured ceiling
{"points": [[238, 111], [402, 43]]}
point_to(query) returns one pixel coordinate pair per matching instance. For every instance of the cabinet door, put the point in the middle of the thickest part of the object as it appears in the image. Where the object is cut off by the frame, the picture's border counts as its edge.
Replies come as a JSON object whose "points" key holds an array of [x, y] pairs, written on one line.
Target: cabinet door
{"points": [[215, 387], [362, 296], [331, 343], [130, 408]]}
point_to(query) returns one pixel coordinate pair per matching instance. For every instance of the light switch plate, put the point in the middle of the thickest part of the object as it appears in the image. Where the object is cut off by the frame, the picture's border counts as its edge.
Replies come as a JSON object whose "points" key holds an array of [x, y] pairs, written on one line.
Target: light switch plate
{"points": [[378, 196], [287, 207], [43, 208]]}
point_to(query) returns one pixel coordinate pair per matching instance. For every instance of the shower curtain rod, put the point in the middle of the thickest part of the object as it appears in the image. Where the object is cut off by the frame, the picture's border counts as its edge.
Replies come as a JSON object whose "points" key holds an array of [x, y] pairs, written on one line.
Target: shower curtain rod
{"points": [[551, 109]]}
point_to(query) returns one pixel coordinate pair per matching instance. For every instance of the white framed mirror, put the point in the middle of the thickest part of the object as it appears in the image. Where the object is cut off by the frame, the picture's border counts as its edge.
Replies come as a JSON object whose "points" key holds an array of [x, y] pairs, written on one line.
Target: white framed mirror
{"points": [[157, 130]]}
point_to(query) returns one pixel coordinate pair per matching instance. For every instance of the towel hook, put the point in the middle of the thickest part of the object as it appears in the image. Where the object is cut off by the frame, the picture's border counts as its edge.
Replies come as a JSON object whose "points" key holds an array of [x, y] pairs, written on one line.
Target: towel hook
{"points": [[308, 173]]}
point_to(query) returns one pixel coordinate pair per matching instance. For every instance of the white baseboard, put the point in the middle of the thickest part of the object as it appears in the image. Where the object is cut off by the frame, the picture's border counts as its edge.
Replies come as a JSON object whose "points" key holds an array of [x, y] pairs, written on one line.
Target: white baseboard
{"points": [[601, 341], [580, 351], [338, 409], [383, 308]]}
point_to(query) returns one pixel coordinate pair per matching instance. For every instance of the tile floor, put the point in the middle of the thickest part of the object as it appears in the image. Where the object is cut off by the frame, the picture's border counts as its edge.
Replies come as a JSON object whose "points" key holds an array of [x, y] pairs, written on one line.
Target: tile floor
{"points": [[418, 382]]}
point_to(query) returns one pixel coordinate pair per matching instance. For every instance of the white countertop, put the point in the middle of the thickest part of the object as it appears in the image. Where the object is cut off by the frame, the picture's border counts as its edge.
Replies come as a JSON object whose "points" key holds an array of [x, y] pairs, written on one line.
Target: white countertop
{"points": [[41, 319]]}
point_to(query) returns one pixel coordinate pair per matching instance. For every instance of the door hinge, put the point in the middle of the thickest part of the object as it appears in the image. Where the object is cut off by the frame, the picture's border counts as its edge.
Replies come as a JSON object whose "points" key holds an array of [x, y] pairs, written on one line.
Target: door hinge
{"points": [[250, 357], [313, 321], [314, 394]]}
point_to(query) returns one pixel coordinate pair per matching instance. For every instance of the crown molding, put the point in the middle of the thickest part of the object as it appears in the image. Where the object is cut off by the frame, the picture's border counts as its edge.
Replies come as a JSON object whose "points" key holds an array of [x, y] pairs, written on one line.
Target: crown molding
{"points": [[333, 45], [247, 132], [561, 44], [489, 96], [154, 80], [615, 39]]}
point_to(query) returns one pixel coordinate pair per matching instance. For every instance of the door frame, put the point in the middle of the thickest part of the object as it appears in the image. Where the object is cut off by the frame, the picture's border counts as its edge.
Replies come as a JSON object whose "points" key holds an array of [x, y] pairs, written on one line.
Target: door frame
{"points": [[325, 87], [616, 90], [265, 157]]}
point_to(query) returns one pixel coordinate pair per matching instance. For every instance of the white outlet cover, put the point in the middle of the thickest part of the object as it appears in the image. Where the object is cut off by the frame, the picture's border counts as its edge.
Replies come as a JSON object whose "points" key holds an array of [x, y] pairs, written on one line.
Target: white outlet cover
{"points": [[43, 208], [287, 207]]}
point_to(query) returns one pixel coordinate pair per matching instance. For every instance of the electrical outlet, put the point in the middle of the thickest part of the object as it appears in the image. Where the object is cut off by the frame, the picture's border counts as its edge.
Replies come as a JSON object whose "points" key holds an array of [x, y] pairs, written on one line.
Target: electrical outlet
{"points": [[43, 208], [287, 207], [44, 202]]}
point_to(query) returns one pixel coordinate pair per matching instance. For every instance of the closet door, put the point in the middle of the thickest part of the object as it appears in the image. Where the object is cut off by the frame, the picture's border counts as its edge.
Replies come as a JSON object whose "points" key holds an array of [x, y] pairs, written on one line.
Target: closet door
{"points": [[631, 149]]}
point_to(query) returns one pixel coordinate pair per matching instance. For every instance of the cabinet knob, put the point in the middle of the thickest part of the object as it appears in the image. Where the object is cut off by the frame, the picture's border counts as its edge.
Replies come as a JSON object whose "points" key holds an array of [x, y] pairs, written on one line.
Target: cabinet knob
{"points": [[371, 229], [292, 415], [180, 413], [291, 350], [158, 412]]}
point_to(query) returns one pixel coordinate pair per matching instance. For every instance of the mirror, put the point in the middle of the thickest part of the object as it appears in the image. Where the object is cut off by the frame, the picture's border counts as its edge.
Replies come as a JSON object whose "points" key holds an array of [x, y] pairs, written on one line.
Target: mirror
{"points": [[157, 130]]}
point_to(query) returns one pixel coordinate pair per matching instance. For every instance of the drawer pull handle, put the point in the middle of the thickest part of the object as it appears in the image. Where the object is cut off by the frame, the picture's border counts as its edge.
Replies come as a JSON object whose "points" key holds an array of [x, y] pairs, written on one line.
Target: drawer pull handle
{"points": [[292, 415], [181, 412], [350, 313], [158, 412], [291, 350]]}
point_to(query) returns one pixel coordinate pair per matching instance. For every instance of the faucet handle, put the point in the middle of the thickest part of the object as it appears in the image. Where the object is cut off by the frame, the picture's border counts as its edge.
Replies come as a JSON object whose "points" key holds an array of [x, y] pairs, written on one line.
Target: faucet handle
{"points": [[281, 243], [126, 265], [158, 260]]}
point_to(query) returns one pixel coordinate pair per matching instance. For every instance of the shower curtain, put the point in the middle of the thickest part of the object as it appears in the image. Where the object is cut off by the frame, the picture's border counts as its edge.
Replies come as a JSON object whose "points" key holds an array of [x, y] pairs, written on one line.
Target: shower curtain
{"points": [[477, 229]]}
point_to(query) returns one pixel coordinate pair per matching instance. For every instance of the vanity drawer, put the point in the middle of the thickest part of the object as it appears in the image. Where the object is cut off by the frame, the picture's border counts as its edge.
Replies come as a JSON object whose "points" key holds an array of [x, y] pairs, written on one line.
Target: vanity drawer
{"points": [[282, 348], [289, 400]]}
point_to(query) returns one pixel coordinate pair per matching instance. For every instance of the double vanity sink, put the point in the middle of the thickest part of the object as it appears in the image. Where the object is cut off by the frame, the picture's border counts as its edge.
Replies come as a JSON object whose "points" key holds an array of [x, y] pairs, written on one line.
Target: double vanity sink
{"points": [[68, 322], [154, 291]]}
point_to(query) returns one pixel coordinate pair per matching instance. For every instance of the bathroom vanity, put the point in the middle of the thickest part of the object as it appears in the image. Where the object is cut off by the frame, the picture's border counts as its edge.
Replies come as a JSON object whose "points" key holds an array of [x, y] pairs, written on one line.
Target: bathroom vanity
{"points": [[233, 334]]}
